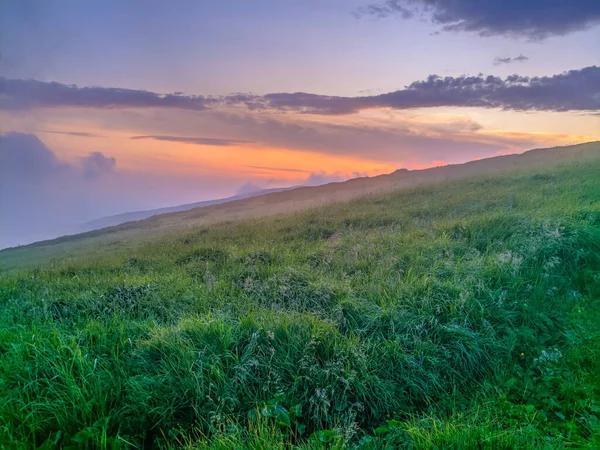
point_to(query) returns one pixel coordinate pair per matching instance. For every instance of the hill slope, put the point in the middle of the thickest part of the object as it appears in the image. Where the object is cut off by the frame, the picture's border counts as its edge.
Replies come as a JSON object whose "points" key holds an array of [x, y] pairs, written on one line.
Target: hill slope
{"points": [[111, 221], [110, 239], [459, 314]]}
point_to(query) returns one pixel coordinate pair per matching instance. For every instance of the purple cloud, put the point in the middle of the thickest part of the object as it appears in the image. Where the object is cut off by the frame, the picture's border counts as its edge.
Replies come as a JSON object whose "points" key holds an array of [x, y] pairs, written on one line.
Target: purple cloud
{"points": [[195, 140], [533, 19], [575, 90], [96, 164], [73, 133], [19, 94], [509, 60]]}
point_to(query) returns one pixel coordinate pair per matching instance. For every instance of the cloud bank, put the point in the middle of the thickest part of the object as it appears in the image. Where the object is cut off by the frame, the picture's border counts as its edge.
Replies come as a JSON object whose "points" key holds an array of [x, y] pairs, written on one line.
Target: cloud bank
{"points": [[17, 94], [532, 19], [575, 90], [40, 195]]}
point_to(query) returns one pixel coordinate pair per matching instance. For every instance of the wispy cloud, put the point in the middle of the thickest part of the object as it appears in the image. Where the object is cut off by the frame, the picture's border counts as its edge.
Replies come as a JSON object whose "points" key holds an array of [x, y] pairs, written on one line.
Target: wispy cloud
{"points": [[74, 133], [195, 140], [532, 19], [383, 10], [390, 137], [380, 143], [279, 169], [508, 60]]}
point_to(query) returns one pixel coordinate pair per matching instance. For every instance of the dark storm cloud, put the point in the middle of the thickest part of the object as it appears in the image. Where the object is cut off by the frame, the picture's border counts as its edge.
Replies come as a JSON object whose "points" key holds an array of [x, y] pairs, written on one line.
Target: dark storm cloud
{"points": [[508, 60], [194, 140], [533, 19], [19, 94]]}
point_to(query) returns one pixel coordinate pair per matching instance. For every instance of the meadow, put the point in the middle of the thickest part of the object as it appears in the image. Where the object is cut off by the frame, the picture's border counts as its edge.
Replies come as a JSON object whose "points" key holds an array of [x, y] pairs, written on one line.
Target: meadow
{"points": [[460, 314]]}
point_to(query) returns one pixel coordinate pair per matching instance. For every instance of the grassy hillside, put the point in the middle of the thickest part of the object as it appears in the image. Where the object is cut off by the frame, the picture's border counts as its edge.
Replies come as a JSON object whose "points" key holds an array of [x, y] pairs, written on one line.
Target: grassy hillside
{"points": [[135, 216], [458, 314], [133, 234]]}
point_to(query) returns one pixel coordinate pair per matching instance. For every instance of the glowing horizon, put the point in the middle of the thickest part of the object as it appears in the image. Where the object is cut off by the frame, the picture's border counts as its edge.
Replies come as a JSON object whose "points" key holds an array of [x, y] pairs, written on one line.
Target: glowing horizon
{"points": [[174, 105]]}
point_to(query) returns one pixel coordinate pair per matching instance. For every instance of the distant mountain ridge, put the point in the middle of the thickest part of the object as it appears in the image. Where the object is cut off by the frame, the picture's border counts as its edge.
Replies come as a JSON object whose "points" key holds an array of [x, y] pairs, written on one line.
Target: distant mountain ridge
{"points": [[134, 216]]}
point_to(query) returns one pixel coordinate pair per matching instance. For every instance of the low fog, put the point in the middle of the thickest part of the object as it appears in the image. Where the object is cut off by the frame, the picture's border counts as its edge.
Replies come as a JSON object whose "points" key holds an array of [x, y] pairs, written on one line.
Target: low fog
{"points": [[43, 196]]}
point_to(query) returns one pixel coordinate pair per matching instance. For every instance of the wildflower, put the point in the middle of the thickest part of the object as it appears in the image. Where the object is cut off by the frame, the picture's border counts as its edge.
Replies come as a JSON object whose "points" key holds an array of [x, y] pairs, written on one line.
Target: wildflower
{"points": [[552, 355], [552, 263], [505, 257], [517, 260], [522, 354], [510, 258], [555, 233], [248, 284]]}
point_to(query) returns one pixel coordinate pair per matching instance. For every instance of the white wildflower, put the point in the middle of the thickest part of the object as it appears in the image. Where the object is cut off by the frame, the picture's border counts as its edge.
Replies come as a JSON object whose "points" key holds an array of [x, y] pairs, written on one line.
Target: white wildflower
{"points": [[552, 263], [505, 257], [552, 355]]}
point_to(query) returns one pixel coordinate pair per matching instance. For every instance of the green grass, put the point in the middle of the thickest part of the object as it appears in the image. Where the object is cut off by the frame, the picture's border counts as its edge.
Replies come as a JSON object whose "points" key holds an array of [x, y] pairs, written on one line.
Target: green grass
{"points": [[456, 315]]}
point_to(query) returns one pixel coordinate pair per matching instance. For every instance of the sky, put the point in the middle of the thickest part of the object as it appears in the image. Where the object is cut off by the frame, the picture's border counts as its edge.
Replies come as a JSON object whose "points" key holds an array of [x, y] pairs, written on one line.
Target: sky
{"points": [[110, 106]]}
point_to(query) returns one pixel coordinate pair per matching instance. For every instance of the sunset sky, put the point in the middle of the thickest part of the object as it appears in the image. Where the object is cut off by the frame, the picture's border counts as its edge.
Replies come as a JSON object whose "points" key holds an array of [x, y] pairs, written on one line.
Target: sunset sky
{"points": [[113, 106]]}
